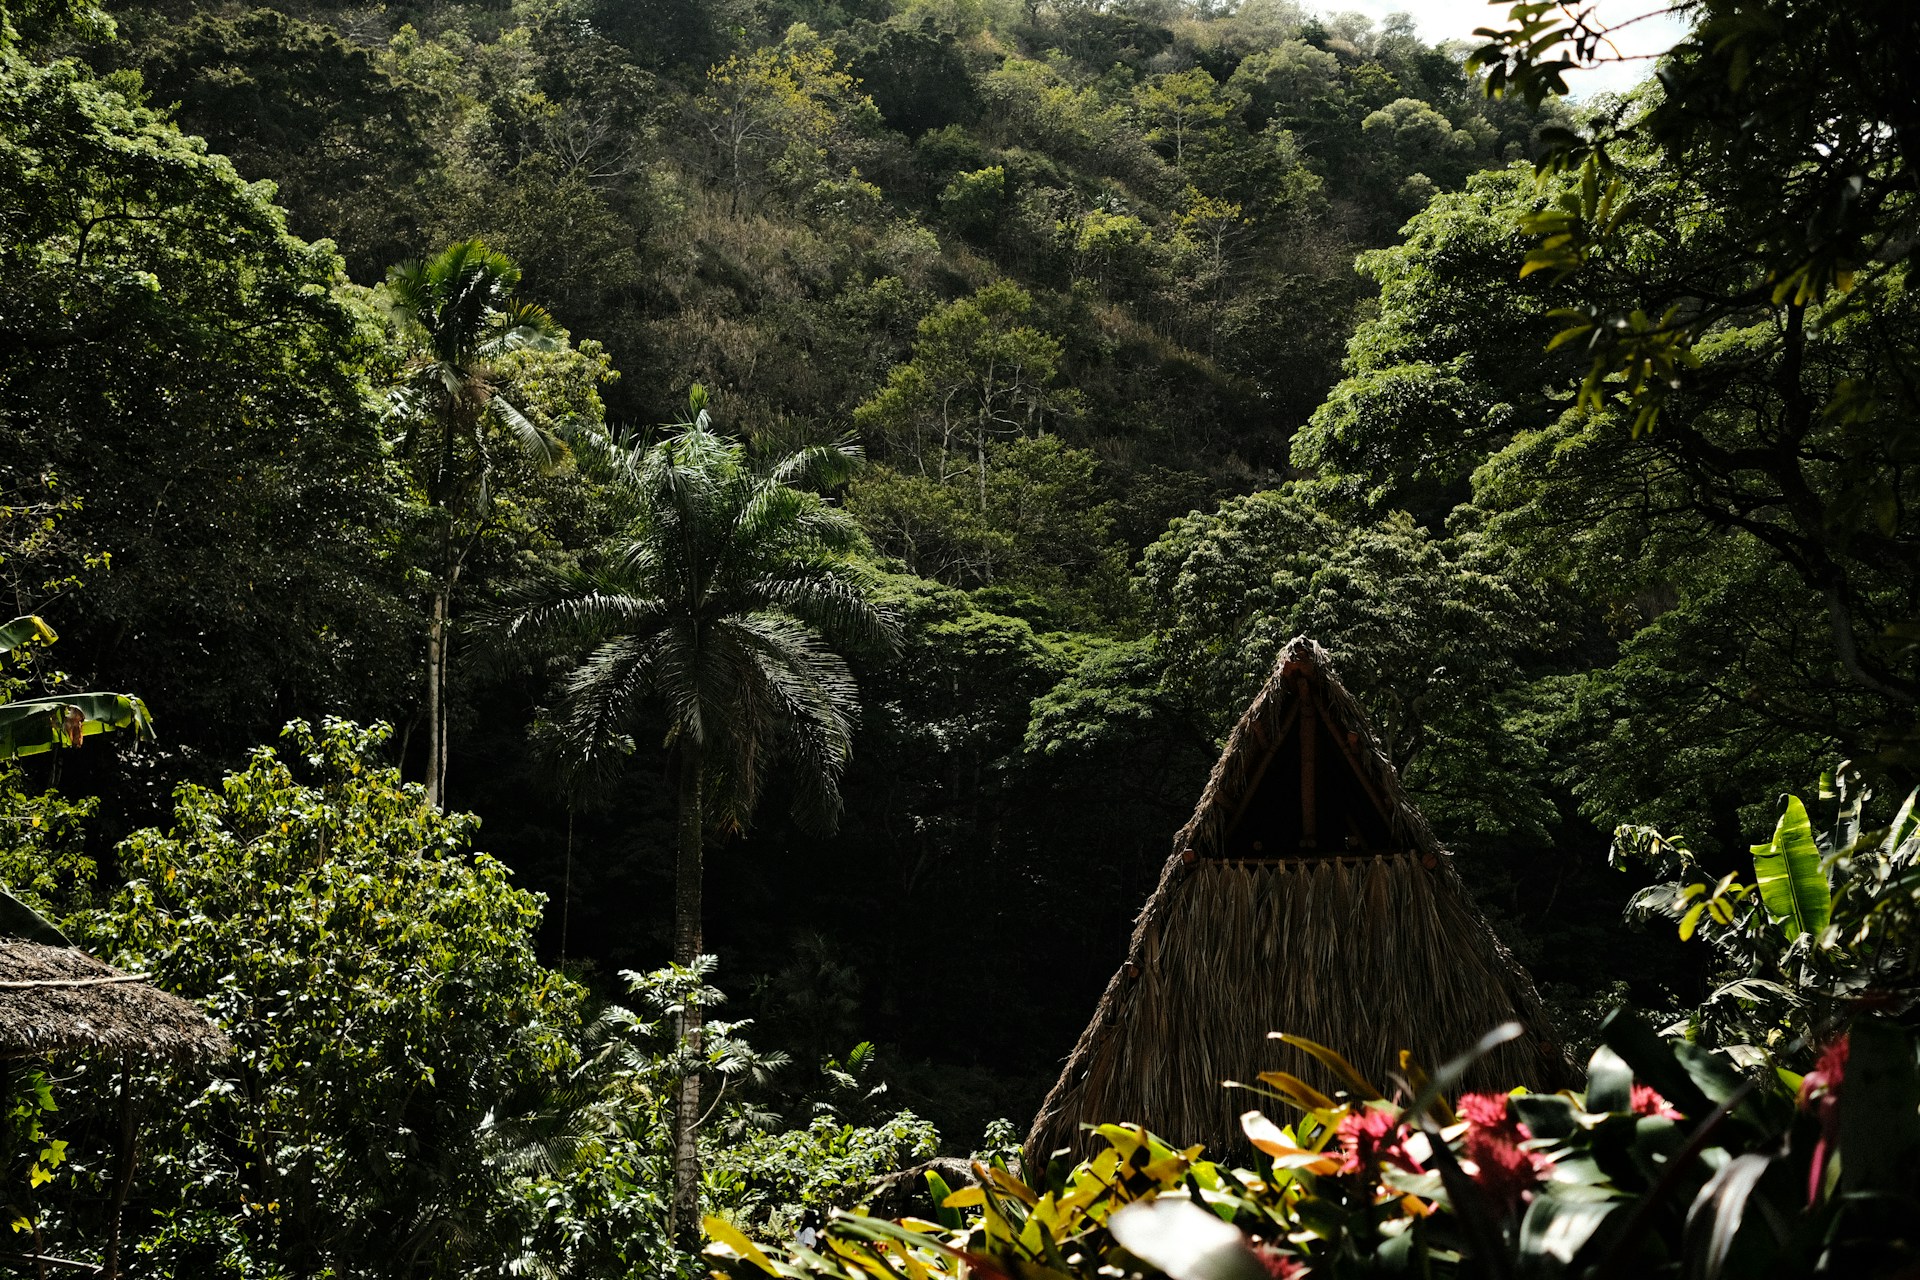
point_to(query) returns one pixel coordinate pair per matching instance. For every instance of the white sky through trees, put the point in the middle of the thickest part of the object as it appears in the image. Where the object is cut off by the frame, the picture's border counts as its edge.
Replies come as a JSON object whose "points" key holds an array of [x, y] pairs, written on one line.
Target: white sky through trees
{"points": [[1442, 20]]}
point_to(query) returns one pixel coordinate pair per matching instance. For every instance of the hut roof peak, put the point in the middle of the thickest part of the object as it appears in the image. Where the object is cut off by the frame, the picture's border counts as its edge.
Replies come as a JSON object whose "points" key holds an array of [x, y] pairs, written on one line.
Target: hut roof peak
{"points": [[1304, 719]]}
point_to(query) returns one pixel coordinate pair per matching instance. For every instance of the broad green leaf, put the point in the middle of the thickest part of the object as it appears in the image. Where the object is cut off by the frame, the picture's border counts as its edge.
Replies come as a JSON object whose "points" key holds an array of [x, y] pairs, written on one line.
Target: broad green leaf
{"points": [[1546, 1115], [1609, 1082], [1879, 1127], [1793, 885], [38, 725], [22, 630], [1903, 837], [1653, 1061], [1717, 1212], [1711, 1072], [1558, 1228], [938, 1189], [18, 920]]}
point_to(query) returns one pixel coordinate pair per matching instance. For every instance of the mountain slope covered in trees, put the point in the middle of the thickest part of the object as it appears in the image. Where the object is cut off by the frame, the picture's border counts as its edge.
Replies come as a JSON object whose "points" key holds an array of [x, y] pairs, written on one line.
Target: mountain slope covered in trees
{"points": [[1168, 332], [1066, 276]]}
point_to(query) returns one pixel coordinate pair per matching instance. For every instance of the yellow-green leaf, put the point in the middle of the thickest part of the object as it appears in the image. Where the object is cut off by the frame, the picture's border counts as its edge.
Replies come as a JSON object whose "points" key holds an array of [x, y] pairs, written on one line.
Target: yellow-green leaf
{"points": [[1297, 1091], [723, 1232], [1792, 883], [1348, 1074]]}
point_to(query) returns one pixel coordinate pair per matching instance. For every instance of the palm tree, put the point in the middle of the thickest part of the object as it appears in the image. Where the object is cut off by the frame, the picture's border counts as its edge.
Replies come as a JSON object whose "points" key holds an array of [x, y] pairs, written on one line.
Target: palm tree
{"points": [[714, 622], [459, 311]]}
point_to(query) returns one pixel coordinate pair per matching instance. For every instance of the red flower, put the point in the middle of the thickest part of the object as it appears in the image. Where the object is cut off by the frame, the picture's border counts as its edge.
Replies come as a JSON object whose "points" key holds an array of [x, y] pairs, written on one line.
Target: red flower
{"points": [[1818, 1085], [1369, 1136], [1820, 1094], [1648, 1102], [1504, 1169], [1281, 1266], [1489, 1111]]}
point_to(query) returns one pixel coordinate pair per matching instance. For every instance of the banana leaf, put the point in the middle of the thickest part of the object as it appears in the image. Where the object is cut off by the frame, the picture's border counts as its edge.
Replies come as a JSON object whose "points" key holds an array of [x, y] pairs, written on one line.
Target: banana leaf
{"points": [[1793, 884], [36, 725], [22, 630]]}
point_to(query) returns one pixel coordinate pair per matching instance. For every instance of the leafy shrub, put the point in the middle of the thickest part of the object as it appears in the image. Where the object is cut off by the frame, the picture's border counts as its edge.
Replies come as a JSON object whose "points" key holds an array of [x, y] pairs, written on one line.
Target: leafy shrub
{"points": [[411, 1092], [380, 986], [973, 200], [778, 1176], [1668, 1160], [1702, 1157], [1826, 927]]}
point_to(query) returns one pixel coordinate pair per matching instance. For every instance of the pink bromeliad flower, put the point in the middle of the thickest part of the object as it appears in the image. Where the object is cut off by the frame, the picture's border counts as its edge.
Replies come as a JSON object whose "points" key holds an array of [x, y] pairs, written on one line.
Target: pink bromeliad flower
{"points": [[1648, 1102], [1505, 1170], [1820, 1094], [1368, 1136], [1279, 1265]]}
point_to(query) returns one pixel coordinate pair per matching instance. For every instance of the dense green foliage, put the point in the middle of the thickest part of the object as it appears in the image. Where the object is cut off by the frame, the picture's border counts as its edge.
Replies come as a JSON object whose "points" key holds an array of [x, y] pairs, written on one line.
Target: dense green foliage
{"points": [[382, 993], [1779, 1138], [1044, 403], [1665, 1163], [1067, 275], [411, 1092]]}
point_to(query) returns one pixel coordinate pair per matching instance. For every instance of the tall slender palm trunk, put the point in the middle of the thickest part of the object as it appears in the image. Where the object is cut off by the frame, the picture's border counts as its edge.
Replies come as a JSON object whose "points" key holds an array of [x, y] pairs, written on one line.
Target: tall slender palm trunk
{"points": [[439, 654], [436, 697], [687, 943]]}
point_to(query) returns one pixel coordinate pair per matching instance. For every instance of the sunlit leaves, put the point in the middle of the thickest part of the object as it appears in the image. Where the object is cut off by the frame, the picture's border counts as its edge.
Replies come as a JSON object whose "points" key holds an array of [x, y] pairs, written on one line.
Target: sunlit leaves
{"points": [[1815, 192], [378, 981], [1830, 914], [1666, 1154], [1791, 879], [1534, 54]]}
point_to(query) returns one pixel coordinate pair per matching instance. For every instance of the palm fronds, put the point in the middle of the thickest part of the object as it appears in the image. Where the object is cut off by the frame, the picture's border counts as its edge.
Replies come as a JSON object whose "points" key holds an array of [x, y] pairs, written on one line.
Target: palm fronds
{"points": [[718, 618], [459, 311]]}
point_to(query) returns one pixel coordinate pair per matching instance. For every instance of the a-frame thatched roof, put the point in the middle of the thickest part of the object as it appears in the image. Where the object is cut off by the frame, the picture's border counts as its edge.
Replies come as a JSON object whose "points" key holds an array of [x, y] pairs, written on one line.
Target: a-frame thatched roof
{"points": [[1306, 895], [56, 999]]}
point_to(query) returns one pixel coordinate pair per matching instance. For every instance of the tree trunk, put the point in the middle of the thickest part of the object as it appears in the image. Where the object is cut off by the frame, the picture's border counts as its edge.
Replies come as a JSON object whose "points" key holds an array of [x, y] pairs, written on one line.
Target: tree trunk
{"points": [[686, 947], [566, 888], [123, 1183], [436, 697]]}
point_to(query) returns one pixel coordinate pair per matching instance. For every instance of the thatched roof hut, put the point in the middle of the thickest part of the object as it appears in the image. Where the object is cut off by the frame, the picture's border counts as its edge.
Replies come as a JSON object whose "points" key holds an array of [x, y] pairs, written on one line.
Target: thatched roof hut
{"points": [[1307, 895], [55, 999]]}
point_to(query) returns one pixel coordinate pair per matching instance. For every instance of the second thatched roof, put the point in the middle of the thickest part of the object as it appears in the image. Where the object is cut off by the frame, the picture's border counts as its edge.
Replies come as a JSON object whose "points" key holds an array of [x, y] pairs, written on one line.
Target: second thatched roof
{"points": [[60, 999], [1307, 895]]}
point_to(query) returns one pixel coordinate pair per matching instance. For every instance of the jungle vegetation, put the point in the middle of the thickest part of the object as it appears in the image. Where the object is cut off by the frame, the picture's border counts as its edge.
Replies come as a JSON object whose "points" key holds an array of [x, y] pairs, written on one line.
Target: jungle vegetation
{"points": [[868, 452]]}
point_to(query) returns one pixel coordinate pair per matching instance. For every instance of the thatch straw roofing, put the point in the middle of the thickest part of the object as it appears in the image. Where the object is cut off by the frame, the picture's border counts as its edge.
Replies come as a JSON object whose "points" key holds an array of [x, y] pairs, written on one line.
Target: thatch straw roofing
{"points": [[54, 999], [1306, 895]]}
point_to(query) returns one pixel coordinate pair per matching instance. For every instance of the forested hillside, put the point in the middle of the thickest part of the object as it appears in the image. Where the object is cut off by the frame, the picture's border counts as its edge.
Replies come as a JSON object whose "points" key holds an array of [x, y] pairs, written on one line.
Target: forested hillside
{"points": [[1065, 276], [1108, 346]]}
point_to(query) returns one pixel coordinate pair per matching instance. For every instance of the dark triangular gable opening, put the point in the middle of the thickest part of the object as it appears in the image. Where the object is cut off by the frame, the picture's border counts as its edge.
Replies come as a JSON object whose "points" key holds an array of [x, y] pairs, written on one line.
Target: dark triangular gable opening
{"points": [[1306, 798]]}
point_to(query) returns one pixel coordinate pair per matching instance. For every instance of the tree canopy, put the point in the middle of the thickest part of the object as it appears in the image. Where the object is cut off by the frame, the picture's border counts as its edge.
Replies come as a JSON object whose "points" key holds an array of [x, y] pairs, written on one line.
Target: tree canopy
{"points": [[637, 426]]}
